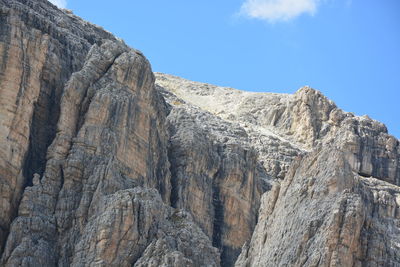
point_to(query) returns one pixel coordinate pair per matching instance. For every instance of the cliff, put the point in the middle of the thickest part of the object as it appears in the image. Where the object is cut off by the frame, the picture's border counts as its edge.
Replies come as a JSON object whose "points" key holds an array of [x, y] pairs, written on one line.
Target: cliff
{"points": [[103, 163]]}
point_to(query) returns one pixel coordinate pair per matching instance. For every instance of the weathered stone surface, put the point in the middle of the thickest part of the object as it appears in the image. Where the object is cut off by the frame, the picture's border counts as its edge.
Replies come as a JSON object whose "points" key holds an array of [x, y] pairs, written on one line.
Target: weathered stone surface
{"points": [[108, 133], [325, 214], [110, 137], [216, 176], [369, 149], [101, 165], [127, 224], [255, 114], [282, 126], [129, 221], [180, 242], [353, 149], [40, 47]]}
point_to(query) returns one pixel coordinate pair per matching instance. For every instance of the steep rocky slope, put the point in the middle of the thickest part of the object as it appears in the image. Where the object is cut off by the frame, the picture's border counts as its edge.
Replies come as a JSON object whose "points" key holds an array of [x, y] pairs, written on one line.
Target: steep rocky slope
{"points": [[335, 196], [103, 163], [325, 214], [83, 141]]}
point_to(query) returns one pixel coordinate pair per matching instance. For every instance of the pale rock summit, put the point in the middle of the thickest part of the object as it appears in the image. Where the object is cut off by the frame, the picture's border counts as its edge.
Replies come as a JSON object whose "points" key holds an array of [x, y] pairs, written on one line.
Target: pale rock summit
{"points": [[103, 163]]}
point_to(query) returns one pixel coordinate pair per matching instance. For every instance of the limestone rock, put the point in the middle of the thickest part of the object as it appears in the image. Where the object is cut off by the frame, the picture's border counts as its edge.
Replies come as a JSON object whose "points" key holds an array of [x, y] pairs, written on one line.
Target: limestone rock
{"points": [[108, 133], [282, 126], [325, 214], [135, 223], [103, 163], [256, 114], [40, 48], [216, 182], [180, 243], [300, 124]]}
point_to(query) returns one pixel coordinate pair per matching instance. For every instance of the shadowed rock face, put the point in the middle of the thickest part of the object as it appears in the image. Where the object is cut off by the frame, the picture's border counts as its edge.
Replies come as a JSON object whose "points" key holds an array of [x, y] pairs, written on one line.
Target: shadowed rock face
{"points": [[104, 164]]}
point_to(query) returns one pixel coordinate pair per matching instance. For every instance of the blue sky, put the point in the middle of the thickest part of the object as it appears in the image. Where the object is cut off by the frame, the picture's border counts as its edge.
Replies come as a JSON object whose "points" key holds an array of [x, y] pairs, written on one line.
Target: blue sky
{"points": [[348, 49]]}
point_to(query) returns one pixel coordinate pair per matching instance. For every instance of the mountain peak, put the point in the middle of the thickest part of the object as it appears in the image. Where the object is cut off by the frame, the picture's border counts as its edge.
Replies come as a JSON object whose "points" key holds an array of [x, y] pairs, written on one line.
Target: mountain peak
{"points": [[103, 162]]}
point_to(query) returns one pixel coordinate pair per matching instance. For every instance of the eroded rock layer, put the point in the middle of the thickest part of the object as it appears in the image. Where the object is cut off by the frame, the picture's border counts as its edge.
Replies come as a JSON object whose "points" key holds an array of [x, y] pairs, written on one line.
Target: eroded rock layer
{"points": [[326, 214], [83, 129], [103, 163], [334, 199], [219, 182]]}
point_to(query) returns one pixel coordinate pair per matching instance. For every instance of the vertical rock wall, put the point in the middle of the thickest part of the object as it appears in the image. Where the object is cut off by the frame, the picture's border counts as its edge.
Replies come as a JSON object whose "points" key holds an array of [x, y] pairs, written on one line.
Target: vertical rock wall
{"points": [[83, 141], [97, 169], [216, 182]]}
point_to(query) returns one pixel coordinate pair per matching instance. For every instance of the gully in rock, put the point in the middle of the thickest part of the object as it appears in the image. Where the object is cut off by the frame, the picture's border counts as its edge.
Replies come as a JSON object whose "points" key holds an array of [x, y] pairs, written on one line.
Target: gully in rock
{"points": [[105, 163]]}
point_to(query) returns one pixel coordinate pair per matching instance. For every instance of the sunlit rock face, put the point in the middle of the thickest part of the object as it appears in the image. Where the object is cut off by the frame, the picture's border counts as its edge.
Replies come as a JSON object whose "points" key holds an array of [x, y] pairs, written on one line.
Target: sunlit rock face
{"points": [[82, 130], [103, 163], [326, 214], [329, 175]]}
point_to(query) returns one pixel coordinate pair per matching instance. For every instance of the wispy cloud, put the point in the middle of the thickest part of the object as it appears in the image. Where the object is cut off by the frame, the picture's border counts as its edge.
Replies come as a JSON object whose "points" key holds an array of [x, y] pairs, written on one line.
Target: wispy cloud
{"points": [[278, 10], [59, 3]]}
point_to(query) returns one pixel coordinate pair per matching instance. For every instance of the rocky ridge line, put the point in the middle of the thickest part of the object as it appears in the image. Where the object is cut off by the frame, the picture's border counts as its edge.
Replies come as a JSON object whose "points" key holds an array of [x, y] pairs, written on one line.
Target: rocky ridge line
{"points": [[334, 200], [101, 163]]}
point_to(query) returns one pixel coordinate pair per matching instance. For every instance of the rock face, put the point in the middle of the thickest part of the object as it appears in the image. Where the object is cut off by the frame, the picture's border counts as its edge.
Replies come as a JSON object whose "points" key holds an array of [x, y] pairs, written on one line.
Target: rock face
{"points": [[103, 163], [325, 214], [71, 188], [38, 56], [338, 203], [218, 181]]}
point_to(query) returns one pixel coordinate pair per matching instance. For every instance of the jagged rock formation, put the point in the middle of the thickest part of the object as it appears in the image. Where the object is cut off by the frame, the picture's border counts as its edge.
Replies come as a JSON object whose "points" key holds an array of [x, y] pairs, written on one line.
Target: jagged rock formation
{"points": [[218, 181], [325, 214], [338, 205], [38, 56], [104, 164], [104, 137]]}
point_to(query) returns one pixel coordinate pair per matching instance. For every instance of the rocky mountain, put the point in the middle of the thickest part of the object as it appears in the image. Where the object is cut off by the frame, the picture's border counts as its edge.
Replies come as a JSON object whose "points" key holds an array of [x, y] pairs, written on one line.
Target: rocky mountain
{"points": [[105, 163]]}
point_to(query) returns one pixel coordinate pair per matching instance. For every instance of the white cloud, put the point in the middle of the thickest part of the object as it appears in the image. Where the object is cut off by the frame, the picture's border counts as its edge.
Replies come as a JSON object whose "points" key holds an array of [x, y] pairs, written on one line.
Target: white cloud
{"points": [[59, 3], [278, 10]]}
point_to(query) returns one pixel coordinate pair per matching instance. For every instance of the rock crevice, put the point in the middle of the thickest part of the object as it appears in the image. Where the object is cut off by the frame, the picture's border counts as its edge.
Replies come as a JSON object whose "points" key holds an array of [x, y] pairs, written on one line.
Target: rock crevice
{"points": [[103, 163]]}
